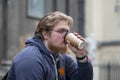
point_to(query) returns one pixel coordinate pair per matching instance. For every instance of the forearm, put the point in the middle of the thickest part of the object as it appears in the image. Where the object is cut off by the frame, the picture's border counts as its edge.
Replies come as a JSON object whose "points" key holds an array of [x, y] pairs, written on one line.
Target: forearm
{"points": [[77, 70], [85, 70]]}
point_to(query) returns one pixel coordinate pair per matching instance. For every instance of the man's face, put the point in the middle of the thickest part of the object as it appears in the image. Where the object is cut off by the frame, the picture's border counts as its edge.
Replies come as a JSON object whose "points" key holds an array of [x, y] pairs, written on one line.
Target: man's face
{"points": [[56, 41]]}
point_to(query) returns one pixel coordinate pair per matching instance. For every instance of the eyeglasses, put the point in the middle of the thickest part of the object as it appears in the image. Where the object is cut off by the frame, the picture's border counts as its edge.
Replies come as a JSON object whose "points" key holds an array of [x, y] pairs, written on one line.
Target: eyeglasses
{"points": [[61, 31]]}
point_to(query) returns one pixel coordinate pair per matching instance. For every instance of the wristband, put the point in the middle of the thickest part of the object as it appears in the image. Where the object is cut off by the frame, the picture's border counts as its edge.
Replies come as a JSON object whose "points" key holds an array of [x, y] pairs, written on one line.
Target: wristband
{"points": [[81, 58]]}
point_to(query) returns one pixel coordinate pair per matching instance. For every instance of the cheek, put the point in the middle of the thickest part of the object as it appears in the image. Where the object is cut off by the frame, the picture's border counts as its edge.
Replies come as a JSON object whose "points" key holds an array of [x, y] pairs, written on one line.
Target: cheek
{"points": [[58, 39]]}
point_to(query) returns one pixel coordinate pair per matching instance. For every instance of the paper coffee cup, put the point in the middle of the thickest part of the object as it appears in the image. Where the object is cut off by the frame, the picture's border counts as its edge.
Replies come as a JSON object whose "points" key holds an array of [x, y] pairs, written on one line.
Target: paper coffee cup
{"points": [[74, 41]]}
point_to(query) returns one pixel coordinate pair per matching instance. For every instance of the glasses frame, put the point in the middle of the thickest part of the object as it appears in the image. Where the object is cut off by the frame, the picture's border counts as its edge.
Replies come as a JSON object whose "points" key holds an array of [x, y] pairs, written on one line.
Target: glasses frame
{"points": [[62, 31]]}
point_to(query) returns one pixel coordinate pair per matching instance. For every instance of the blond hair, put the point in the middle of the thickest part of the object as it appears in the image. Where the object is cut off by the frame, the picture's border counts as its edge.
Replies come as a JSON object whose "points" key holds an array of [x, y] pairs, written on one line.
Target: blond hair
{"points": [[48, 21]]}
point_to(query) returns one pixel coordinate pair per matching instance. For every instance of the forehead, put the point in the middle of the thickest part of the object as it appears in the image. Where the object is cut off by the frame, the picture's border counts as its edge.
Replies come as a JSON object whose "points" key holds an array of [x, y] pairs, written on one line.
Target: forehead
{"points": [[62, 25]]}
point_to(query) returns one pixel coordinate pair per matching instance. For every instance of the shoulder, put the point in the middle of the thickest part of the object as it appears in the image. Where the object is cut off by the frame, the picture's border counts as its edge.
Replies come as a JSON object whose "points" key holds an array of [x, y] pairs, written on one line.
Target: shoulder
{"points": [[28, 69], [26, 64], [28, 57], [28, 53]]}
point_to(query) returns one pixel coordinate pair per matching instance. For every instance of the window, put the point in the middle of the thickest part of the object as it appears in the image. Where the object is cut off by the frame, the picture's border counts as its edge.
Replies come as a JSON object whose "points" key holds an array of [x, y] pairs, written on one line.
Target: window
{"points": [[35, 8]]}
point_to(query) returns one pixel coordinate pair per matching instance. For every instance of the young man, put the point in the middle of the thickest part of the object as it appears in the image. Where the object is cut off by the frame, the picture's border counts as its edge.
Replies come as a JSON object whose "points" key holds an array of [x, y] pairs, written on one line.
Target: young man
{"points": [[45, 58]]}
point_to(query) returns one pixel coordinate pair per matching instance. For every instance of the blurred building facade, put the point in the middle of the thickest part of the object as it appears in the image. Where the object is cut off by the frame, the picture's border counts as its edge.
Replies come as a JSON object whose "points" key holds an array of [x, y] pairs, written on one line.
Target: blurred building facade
{"points": [[100, 17], [103, 20]]}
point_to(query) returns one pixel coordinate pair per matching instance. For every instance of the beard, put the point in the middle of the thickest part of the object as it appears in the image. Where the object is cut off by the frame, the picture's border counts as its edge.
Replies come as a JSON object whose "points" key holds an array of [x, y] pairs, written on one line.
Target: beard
{"points": [[57, 49]]}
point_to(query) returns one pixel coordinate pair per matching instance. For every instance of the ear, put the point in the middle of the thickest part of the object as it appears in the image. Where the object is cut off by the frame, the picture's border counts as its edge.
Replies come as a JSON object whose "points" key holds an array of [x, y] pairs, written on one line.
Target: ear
{"points": [[45, 35]]}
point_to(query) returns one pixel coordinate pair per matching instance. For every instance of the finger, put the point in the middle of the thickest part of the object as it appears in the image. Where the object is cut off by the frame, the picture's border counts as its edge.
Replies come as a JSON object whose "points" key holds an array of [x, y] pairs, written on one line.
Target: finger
{"points": [[78, 36]]}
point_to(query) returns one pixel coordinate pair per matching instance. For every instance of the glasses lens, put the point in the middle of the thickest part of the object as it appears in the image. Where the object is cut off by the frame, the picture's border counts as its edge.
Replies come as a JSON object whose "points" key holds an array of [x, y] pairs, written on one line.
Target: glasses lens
{"points": [[62, 31]]}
